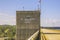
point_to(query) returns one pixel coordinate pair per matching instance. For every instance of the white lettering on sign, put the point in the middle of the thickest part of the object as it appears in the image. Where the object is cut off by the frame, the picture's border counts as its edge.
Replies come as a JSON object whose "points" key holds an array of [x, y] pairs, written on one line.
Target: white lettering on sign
{"points": [[29, 20]]}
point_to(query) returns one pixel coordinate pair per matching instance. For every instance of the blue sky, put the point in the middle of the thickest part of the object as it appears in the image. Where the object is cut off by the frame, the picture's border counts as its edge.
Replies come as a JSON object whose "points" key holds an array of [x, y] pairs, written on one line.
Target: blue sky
{"points": [[50, 11]]}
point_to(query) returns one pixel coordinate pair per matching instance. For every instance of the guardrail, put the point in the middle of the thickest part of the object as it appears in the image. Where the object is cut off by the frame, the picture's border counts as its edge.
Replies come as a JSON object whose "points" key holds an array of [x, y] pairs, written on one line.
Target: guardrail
{"points": [[34, 36], [44, 36]]}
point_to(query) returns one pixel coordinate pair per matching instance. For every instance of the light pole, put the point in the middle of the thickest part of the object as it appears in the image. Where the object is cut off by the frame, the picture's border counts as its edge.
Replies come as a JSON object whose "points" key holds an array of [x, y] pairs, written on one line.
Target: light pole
{"points": [[39, 8]]}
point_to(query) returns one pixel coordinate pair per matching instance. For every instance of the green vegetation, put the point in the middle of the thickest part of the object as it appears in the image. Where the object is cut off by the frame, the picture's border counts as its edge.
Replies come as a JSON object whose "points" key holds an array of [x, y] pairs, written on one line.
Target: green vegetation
{"points": [[7, 31]]}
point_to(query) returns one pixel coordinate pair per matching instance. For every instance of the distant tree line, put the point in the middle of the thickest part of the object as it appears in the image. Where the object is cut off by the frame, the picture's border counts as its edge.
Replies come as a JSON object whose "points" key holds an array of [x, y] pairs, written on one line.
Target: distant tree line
{"points": [[7, 31]]}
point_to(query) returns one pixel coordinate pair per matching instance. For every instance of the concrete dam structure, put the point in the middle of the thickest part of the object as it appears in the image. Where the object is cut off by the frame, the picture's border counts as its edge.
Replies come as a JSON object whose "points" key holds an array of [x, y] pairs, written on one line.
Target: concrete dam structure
{"points": [[28, 22]]}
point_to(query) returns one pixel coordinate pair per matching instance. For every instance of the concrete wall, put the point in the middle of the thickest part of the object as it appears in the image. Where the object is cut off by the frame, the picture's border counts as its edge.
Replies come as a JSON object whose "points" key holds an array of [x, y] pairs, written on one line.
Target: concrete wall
{"points": [[27, 23]]}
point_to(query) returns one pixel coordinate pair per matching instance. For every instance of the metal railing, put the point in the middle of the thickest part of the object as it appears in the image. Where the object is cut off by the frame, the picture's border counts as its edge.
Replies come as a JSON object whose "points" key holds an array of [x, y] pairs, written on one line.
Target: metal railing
{"points": [[34, 36]]}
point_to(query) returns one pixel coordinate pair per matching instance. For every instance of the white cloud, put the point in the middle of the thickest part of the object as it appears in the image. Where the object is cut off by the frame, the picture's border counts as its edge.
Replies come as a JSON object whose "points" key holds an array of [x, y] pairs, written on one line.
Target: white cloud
{"points": [[50, 22], [5, 18]]}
